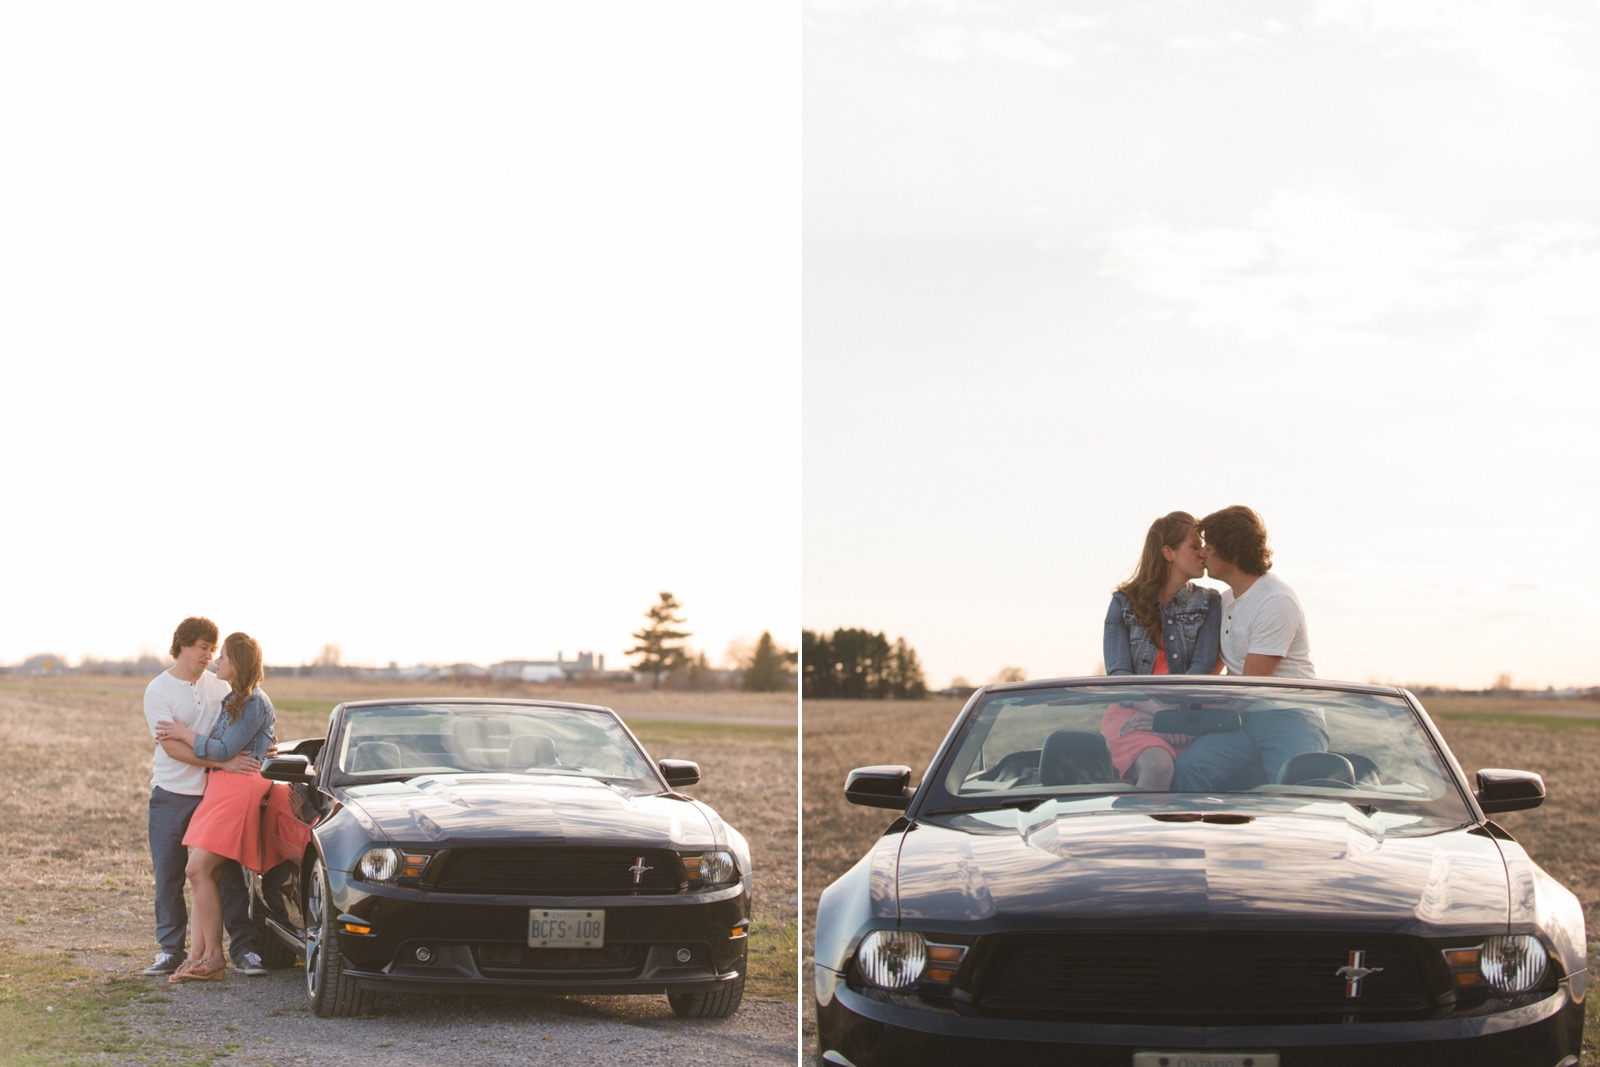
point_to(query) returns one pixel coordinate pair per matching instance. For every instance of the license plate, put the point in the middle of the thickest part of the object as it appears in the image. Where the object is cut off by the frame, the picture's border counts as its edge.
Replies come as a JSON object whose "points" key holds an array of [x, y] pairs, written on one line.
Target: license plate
{"points": [[1205, 1059], [575, 928]]}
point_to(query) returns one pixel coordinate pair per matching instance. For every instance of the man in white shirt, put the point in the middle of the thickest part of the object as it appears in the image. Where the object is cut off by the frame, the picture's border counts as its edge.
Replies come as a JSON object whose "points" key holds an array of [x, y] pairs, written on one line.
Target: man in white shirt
{"points": [[1263, 633], [190, 694]]}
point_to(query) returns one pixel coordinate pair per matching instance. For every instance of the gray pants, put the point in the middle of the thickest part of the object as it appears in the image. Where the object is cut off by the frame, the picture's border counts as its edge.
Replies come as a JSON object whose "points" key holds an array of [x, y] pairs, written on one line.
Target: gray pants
{"points": [[169, 819], [1251, 756]]}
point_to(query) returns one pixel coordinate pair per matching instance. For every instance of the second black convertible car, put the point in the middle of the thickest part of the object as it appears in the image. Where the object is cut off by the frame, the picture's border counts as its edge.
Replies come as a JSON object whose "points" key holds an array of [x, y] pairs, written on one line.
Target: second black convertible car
{"points": [[1351, 903], [458, 845]]}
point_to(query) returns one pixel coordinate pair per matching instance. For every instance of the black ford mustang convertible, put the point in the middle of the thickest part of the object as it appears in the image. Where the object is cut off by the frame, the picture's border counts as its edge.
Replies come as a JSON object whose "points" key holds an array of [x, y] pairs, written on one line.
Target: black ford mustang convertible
{"points": [[1350, 902], [458, 845]]}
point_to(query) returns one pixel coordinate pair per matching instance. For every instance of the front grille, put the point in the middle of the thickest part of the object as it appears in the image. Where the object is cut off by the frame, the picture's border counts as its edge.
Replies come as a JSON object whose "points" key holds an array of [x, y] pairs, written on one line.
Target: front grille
{"points": [[561, 871], [504, 958], [1212, 979]]}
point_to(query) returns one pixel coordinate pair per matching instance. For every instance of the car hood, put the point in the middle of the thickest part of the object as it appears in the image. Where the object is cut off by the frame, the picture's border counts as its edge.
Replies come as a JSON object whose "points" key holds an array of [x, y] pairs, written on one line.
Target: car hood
{"points": [[1182, 870], [550, 808]]}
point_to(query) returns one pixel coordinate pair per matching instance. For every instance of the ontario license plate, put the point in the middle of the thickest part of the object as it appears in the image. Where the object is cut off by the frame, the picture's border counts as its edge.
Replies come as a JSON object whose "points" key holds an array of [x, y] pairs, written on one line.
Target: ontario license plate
{"points": [[1205, 1059], [574, 928]]}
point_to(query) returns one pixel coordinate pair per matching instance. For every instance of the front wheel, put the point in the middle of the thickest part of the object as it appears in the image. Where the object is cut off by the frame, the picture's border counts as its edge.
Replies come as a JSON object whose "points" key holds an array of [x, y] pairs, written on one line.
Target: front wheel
{"points": [[718, 1003], [333, 993]]}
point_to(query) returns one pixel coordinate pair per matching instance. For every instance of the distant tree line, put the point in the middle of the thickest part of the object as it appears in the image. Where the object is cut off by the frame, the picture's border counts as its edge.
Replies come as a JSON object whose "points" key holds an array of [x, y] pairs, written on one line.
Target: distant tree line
{"points": [[851, 664]]}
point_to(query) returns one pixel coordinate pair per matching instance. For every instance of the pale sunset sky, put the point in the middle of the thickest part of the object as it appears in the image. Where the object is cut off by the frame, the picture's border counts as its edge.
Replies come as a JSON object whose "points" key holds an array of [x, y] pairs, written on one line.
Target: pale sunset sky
{"points": [[440, 334], [1068, 267]]}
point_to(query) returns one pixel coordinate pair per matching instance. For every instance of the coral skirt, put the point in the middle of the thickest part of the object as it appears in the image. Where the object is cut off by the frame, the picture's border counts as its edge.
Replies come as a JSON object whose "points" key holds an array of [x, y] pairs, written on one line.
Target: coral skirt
{"points": [[228, 820], [1125, 748]]}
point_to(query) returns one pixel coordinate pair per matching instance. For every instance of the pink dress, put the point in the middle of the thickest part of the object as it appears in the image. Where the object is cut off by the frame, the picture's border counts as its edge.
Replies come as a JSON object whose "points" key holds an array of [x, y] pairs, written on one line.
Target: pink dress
{"points": [[228, 820], [1125, 748]]}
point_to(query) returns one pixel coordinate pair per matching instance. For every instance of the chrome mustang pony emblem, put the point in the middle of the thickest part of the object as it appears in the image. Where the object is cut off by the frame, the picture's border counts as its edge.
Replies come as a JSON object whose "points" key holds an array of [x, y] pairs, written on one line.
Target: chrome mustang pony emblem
{"points": [[638, 869], [1355, 971]]}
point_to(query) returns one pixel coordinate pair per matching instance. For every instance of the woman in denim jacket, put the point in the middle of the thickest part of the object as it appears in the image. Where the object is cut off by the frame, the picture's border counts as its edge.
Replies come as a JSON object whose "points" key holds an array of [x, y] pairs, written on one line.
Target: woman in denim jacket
{"points": [[1159, 622], [227, 824]]}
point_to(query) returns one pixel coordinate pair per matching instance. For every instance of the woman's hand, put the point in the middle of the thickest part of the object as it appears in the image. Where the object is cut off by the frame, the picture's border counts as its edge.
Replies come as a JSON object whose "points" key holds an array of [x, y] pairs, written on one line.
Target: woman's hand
{"points": [[171, 730]]}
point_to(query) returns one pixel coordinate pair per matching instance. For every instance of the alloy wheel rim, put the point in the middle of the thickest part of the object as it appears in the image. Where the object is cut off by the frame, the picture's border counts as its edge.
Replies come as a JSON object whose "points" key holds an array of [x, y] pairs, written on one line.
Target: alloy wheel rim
{"points": [[314, 910]]}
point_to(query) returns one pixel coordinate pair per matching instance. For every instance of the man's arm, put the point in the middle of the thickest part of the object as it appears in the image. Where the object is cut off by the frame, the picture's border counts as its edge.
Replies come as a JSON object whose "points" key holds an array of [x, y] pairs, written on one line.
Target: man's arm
{"points": [[1274, 628], [242, 763], [1257, 663]]}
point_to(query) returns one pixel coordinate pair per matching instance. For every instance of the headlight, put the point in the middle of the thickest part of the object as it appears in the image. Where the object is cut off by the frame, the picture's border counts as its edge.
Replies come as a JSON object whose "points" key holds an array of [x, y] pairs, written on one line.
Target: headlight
{"points": [[379, 864], [388, 864], [1504, 964], [1513, 964], [892, 959], [710, 869]]}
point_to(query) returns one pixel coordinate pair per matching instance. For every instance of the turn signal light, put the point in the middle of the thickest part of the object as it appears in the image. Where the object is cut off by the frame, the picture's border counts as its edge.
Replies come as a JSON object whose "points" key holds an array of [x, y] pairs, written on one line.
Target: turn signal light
{"points": [[943, 961]]}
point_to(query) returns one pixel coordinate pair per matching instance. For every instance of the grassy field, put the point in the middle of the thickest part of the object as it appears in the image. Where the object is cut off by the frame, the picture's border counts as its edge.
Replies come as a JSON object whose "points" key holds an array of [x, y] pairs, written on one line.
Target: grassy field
{"points": [[1560, 740], [75, 884]]}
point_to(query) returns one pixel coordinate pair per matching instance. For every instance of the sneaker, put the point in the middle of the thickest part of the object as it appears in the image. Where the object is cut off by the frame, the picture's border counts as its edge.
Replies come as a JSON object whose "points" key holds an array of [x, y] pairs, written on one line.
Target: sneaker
{"points": [[249, 963], [165, 963]]}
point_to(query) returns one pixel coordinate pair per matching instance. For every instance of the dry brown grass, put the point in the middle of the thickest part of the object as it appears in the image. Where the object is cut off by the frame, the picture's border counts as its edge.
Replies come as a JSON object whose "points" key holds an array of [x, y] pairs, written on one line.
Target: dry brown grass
{"points": [[75, 774], [1560, 835]]}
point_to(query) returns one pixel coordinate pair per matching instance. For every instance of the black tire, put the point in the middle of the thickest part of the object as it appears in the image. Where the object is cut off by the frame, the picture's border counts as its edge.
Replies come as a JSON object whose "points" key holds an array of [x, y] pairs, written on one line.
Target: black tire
{"points": [[718, 1003], [334, 995], [275, 953]]}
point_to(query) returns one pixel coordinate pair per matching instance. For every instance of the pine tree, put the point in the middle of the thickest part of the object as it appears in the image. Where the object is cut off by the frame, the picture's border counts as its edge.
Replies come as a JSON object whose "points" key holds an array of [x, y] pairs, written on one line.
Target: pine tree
{"points": [[660, 648], [768, 669]]}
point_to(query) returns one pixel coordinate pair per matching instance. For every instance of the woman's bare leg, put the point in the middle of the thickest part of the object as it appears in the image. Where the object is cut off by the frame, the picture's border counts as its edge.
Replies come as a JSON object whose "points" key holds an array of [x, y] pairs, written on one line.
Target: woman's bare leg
{"points": [[1152, 770], [205, 921]]}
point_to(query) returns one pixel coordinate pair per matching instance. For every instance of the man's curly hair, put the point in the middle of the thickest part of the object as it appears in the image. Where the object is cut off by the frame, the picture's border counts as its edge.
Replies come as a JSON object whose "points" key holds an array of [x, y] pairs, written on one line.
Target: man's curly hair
{"points": [[1238, 535]]}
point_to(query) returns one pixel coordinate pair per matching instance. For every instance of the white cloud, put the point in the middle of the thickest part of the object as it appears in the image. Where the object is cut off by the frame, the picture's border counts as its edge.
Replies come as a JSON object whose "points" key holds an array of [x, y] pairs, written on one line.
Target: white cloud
{"points": [[1217, 43], [953, 44], [1319, 271], [1528, 48], [954, 31]]}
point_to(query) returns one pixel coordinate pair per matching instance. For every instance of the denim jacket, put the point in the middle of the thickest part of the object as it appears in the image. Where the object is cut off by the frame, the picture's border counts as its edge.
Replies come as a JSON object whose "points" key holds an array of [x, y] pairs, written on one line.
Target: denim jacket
{"points": [[1191, 628], [252, 730]]}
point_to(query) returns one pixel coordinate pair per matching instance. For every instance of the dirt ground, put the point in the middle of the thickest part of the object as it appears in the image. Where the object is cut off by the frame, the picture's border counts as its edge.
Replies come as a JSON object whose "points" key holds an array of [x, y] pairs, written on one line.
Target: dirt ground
{"points": [[1560, 835], [74, 784]]}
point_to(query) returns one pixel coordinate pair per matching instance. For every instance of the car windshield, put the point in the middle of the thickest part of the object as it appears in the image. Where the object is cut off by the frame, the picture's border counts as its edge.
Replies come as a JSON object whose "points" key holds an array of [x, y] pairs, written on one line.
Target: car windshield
{"points": [[408, 740], [1352, 750]]}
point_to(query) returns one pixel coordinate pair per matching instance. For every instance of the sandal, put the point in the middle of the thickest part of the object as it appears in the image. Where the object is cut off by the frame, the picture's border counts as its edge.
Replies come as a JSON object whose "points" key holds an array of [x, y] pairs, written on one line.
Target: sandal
{"points": [[201, 971]]}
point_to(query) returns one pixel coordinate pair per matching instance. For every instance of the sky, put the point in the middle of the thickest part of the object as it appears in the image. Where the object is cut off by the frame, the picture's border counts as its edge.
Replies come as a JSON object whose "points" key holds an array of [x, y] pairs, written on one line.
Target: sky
{"points": [[1069, 267], [437, 335]]}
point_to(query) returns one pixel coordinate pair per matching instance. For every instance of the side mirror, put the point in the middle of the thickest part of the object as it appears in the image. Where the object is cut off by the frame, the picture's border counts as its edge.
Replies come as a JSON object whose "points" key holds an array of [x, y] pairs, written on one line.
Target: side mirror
{"points": [[879, 787], [305, 746], [679, 771], [292, 769], [1502, 790]]}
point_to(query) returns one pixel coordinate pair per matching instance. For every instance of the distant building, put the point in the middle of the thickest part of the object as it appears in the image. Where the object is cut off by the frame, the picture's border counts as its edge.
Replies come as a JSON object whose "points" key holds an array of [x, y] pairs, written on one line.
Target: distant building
{"points": [[560, 669], [460, 672]]}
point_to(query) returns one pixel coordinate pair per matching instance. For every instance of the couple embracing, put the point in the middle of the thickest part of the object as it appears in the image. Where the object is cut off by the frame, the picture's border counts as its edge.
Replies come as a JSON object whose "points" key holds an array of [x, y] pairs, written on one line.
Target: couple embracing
{"points": [[1161, 622], [211, 732]]}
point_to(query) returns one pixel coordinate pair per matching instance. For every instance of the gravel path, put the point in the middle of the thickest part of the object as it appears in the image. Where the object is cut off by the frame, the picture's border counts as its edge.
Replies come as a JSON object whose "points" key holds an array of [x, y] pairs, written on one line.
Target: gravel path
{"points": [[265, 1020]]}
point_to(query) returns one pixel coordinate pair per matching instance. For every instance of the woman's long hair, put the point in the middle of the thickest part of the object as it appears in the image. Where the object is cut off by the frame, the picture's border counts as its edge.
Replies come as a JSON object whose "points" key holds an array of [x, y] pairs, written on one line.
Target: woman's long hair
{"points": [[1143, 590], [245, 655]]}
